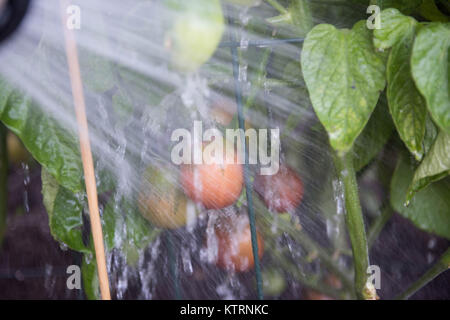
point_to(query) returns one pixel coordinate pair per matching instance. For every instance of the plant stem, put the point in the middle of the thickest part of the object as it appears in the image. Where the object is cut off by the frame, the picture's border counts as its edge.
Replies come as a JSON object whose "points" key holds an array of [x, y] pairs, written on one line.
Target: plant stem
{"points": [[379, 224], [355, 225], [3, 180], [439, 267], [276, 5]]}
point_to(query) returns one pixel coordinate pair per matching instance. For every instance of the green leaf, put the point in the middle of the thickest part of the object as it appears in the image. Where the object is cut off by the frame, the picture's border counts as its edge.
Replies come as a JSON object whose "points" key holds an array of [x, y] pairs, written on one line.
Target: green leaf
{"points": [[431, 133], [109, 222], [429, 210], [5, 92], [435, 166], [405, 6], [406, 104], [90, 277], [139, 232], [123, 107], [97, 71], [65, 210], [430, 69], [344, 76], [374, 136], [55, 148], [431, 12], [394, 27]]}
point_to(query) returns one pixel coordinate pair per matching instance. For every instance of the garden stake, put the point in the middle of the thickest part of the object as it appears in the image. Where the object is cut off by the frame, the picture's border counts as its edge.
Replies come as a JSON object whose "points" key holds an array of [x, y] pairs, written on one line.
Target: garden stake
{"points": [[248, 186], [86, 154]]}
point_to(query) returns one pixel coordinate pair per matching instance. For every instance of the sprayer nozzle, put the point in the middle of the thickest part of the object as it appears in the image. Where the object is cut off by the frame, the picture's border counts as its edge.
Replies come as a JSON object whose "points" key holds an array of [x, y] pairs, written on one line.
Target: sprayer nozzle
{"points": [[12, 13]]}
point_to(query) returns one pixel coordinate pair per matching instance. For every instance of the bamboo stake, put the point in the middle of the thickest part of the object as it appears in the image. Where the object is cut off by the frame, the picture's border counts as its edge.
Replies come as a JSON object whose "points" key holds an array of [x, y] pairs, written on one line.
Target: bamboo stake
{"points": [[86, 154]]}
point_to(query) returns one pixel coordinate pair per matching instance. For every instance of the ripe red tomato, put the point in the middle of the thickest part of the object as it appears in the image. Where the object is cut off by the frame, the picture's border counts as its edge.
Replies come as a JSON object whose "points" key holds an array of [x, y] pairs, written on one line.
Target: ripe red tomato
{"points": [[235, 244], [216, 186], [281, 192]]}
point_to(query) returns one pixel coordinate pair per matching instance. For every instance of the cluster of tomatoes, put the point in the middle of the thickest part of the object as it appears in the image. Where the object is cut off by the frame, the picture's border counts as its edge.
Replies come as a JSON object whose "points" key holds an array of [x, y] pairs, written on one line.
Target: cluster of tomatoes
{"points": [[166, 194]]}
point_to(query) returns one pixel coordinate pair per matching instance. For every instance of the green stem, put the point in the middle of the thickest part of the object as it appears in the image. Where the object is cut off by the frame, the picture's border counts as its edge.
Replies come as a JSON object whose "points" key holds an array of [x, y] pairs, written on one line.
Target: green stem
{"points": [[379, 224], [3, 180], [355, 225], [439, 267], [276, 5]]}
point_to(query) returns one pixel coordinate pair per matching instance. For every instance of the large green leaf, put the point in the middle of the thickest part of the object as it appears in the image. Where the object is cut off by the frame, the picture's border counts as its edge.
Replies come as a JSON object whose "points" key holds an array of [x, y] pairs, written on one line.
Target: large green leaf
{"points": [[394, 27], [139, 233], [96, 69], [5, 92], [51, 145], [90, 277], [431, 70], [405, 6], [344, 76], [374, 136], [65, 210], [429, 209], [406, 104], [435, 166]]}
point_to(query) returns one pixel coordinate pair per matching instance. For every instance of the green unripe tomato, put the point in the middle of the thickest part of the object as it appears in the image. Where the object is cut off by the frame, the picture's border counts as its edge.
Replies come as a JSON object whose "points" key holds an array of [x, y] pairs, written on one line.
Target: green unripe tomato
{"points": [[274, 283], [16, 151], [197, 29], [161, 201]]}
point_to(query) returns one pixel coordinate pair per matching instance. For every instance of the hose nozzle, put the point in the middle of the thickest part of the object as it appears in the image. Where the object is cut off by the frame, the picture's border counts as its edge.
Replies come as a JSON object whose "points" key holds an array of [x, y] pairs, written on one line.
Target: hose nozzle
{"points": [[12, 13]]}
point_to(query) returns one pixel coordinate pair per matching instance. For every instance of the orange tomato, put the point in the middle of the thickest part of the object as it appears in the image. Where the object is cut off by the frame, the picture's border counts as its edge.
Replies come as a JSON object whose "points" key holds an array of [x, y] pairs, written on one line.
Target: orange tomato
{"points": [[235, 245], [214, 185]]}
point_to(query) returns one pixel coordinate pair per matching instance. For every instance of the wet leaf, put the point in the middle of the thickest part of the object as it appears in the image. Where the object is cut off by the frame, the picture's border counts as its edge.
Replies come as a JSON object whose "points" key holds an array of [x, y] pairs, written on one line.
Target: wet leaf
{"points": [[139, 233], [431, 133], [90, 277], [55, 148], [429, 210], [344, 76], [394, 27], [406, 104], [65, 212], [435, 166], [374, 136], [5, 92], [430, 69], [96, 69]]}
